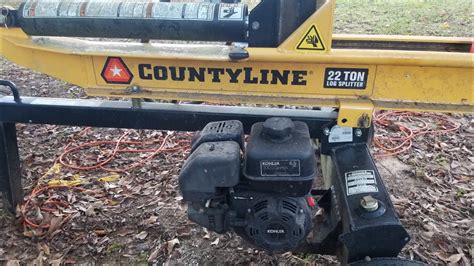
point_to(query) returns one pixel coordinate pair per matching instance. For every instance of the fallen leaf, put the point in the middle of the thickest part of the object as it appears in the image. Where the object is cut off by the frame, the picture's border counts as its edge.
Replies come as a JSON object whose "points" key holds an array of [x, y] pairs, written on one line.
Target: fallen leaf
{"points": [[13, 263], [39, 215], [56, 262], [100, 232], [39, 260], [154, 255], [215, 242], [124, 232], [142, 235], [55, 224], [29, 234], [151, 220], [45, 249], [110, 178], [184, 231], [97, 204], [90, 211], [171, 244], [207, 235], [455, 258], [74, 182]]}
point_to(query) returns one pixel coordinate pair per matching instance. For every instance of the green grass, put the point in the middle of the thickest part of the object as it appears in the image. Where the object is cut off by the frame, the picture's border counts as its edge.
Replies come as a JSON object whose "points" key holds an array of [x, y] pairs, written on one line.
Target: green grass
{"points": [[115, 248], [405, 17]]}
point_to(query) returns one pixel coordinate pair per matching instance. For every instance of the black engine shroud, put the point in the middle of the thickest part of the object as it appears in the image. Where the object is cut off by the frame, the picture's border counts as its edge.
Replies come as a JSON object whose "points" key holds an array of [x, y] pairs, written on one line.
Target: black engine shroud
{"points": [[260, 189]]}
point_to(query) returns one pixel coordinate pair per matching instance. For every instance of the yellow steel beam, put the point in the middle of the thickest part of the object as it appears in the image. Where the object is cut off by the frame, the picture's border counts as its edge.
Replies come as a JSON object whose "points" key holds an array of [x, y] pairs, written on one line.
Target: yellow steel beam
{"points": [[402, 80], [291, 74]]}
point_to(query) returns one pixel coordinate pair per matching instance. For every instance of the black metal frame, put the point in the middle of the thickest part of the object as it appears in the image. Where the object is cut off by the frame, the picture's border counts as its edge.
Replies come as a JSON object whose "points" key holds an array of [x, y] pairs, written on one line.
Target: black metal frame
{"points": [[120, 114], [337, 234]]}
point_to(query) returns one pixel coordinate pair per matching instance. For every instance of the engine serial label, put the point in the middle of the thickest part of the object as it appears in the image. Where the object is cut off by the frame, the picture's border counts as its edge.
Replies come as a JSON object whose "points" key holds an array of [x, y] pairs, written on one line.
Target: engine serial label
{"points": [[346, 78], [280, 168], [359, 182]]}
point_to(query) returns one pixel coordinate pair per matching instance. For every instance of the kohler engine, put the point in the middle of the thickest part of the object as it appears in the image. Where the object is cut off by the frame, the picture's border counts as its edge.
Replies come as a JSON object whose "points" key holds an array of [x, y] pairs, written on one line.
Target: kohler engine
{"points": [[260, 189]]}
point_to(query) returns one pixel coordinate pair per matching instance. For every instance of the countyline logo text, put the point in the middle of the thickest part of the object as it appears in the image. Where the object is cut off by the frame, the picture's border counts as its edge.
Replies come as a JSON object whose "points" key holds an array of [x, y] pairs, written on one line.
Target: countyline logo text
{"points": [[245, 75]]}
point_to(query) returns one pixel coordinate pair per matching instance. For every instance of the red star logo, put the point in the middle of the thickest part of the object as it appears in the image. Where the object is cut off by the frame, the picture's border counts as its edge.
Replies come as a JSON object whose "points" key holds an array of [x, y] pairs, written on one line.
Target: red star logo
{"points": [[116, 72]]}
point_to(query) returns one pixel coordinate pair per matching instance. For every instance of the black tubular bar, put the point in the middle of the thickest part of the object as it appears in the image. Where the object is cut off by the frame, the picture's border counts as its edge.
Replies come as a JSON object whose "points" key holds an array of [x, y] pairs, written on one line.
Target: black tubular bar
{"points": [[13, 88], [160, 116], [10, 181]]}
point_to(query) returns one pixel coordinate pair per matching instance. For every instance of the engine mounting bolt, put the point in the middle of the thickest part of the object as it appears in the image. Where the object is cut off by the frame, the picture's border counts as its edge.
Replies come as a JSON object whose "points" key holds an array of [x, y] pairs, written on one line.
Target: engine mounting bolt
{"points": [[255, 25], [358, 133], [249, 210], [326, 131], [369, 204], [135, 89]]}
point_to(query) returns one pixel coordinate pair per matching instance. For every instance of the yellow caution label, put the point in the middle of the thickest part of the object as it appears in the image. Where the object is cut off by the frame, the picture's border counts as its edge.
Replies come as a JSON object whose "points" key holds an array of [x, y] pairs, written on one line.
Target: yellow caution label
{"points": [[312, 41]]}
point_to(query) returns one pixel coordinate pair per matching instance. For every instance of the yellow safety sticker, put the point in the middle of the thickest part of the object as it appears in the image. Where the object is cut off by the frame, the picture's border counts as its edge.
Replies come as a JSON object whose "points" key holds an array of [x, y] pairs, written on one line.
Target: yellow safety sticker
{"points": [[312, 40]]}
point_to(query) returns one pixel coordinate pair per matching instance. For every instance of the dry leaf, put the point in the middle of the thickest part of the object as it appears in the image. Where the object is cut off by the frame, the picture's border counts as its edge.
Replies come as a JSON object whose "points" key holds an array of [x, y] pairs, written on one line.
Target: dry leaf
{"points": [[39, 260], [29, 234], [151, 220], [455, 258], [39, 215], [154, 255], [110, 178], [13, 263], [100, 232], [55, 224], [207, 235], [171, 244], [45, 249], [142, 235], [215, 242], [125, 232], [90, 211], [56, 262]]}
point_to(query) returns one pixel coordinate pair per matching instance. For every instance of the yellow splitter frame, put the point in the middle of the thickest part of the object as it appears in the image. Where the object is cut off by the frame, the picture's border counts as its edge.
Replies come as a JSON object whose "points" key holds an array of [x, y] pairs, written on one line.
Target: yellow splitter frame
{"points": [[354, 80]]}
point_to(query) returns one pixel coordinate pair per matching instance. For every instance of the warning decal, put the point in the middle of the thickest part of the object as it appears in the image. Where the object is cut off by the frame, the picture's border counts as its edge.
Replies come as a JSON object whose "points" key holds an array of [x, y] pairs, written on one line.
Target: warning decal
{"points": [[312, 41], [231, 12], [363, 181]]}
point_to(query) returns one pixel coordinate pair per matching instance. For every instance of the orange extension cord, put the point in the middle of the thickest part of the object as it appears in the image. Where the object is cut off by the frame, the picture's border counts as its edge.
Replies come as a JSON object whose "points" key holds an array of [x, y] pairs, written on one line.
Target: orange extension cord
{"points": [[401, 129], [51, 205]]}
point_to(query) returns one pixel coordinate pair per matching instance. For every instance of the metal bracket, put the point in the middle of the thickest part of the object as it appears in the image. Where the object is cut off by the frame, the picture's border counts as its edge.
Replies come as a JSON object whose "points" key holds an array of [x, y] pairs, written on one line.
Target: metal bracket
{"points": [[356, 114]]}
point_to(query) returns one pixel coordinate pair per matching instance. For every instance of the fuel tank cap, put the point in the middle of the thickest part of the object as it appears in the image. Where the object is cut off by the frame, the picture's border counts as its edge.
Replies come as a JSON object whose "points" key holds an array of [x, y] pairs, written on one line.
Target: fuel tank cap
{"points": [[278, 127]]}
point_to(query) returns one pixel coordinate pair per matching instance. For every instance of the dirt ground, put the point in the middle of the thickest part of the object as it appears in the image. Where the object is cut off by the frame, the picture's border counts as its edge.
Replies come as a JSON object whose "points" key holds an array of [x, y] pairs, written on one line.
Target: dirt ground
{"points": [[138, 217]]}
